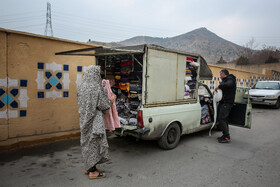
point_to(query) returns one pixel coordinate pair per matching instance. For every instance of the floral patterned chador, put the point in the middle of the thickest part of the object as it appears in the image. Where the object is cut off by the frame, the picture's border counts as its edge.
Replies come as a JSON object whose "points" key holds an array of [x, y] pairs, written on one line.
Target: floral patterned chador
{"points": [[93, 102]]}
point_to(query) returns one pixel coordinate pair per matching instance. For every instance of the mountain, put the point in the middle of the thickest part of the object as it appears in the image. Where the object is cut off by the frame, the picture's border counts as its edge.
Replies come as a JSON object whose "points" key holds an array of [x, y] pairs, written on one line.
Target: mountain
{"points": [[201, 41]]}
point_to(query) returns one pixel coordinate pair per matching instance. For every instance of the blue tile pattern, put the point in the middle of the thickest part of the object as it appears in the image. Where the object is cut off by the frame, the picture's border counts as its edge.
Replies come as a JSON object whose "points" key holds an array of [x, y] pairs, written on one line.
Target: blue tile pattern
{"points": [[59, 86], [14, 104], [212, 84], [48, 86], [48, 74], [2, 92], [53, 81], [41, 94], [14, 99], [79, 68], [1, 104], [59, 75], [7, 99], [40, 65], [23, 83], [65, 67], [65, 94], [22, 113], [14, 92]]}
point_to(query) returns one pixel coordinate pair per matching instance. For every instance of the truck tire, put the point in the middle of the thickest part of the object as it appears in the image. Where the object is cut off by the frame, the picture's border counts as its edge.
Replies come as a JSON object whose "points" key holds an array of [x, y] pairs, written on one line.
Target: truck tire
{"points": [[171, 137], [277, 105]]}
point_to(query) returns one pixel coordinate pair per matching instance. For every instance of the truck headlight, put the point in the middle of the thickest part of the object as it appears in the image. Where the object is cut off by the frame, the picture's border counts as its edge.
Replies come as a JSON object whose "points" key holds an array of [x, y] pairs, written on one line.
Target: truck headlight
{"points": [[270, 97]]}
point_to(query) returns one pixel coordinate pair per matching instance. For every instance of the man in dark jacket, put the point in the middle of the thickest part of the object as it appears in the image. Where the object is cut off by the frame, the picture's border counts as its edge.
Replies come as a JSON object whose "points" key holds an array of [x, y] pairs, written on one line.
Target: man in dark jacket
{"points": [[228, 87]]}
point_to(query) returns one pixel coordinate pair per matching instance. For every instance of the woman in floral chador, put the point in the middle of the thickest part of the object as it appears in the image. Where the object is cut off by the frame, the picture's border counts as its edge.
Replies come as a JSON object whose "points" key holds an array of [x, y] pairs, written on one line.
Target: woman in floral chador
{"points": [[93, 102]]}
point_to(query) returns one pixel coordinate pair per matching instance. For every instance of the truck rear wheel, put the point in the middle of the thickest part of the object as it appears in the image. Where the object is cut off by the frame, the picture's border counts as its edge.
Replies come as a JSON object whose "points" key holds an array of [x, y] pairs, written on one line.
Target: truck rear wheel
{"points": [[171, 137]]}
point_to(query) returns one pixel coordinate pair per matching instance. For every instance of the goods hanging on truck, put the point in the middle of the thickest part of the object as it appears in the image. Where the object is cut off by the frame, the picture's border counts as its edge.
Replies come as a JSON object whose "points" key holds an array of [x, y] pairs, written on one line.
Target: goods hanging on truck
{"points": [[125, 75]]}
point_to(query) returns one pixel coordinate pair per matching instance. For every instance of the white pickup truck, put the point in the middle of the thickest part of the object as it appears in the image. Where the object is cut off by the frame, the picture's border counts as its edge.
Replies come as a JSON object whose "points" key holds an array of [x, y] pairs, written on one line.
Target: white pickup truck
{"points": [[152, 101], [266, 93]]}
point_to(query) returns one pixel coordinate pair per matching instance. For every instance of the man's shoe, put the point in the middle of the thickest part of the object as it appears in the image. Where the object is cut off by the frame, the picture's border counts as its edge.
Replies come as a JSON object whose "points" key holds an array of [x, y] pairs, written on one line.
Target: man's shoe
{"points": [[221, 137], [224, 140]]}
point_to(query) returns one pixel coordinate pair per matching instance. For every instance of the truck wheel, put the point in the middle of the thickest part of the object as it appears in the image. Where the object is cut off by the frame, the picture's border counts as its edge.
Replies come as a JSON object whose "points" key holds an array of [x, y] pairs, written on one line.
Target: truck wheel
{"points": [[277, 105], [171, 137]]}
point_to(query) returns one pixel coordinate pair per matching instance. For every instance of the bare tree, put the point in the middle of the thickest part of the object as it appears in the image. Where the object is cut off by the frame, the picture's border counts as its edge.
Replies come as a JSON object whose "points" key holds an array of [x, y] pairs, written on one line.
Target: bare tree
{"points": [[251, 44], [249, 48]]}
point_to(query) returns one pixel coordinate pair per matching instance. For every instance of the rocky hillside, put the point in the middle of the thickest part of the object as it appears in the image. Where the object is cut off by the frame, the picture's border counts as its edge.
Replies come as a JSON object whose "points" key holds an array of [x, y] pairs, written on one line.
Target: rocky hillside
{"points": [[201, 41]]}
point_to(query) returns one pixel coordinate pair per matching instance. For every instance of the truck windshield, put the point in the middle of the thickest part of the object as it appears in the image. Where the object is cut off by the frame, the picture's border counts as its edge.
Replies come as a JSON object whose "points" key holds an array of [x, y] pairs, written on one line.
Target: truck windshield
{"points": [[267, 85]]}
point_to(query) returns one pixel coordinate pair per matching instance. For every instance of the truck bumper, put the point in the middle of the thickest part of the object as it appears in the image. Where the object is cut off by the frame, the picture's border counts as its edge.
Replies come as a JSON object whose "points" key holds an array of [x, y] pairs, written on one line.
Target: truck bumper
{"points": [[265, 102], [138, 133]]}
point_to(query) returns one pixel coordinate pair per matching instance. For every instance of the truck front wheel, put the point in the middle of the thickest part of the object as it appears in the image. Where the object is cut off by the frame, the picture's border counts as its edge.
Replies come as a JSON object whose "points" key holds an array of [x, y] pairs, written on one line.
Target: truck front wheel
{"points": [[171, 137]]}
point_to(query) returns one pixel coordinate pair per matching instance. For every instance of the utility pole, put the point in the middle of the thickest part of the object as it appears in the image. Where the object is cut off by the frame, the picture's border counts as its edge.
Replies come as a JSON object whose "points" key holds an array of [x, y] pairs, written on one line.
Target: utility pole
{"points": [[48, 20]]}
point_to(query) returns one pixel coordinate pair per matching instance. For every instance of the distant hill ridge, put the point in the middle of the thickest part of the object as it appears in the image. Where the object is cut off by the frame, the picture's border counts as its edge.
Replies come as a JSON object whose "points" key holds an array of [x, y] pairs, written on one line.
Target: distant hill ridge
{"points": [[201, 41]]}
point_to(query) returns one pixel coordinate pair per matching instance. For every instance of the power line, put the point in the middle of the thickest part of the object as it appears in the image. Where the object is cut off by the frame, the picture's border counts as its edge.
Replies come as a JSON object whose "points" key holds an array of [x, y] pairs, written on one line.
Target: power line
{"points": [[81, 32], [23, 19], [98, 28], [22, 13], [28, 26], [60, 14]]}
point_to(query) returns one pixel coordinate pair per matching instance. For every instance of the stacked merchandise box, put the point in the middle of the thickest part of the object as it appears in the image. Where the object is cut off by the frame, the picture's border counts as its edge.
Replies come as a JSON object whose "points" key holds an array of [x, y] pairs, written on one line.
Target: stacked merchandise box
{"points": [[125, 75]]}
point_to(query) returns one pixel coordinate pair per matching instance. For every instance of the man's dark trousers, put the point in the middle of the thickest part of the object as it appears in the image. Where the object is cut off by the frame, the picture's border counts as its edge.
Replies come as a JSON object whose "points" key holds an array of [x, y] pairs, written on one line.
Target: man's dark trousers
{"points": [[223, 117]]}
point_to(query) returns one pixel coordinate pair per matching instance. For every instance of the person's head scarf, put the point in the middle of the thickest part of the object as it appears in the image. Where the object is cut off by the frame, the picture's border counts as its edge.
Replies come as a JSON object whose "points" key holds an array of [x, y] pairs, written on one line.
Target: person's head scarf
{"points": [[91, 95]]}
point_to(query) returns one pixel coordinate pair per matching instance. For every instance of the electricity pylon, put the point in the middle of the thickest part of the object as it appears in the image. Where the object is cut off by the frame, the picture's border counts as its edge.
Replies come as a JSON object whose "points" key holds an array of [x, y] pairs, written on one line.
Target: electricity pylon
{"points": [[48, 20]]}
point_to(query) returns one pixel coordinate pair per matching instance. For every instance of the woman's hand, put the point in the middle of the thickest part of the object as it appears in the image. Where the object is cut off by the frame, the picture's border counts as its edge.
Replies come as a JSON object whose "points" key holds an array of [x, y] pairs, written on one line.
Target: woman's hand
{"points": [[113, 98]]}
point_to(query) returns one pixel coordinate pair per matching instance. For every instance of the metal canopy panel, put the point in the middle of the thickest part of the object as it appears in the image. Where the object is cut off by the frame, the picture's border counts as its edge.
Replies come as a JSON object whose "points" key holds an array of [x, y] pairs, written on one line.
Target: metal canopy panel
{"points": [[102, 51], [205, 72], [120, 50], [80, 52]]}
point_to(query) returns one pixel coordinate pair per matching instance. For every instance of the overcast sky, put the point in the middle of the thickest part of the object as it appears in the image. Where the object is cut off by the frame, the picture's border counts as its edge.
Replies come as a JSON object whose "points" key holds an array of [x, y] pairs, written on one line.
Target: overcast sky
{"points": [[115, 20]]}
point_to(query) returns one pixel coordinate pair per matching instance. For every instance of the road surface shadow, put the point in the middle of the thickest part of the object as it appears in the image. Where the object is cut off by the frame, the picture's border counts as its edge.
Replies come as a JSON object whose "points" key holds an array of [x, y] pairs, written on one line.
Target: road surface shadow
{"points": [[39, 150], [126, 144], [263, 107]]}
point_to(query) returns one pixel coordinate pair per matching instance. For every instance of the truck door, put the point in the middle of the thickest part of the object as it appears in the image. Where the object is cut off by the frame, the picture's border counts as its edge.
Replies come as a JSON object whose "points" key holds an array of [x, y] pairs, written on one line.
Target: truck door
{"points": [[241, 112]]}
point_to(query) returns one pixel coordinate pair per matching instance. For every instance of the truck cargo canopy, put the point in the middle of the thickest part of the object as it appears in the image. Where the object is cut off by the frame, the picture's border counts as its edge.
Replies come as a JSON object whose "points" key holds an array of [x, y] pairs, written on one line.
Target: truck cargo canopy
{"points": [[205, 72]]}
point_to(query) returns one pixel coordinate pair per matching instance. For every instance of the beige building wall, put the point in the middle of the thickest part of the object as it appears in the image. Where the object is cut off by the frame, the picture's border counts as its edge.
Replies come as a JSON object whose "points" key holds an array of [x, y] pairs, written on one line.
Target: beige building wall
{"points": [[3, 73], [37, 87], [244, 78], [257, 68]]}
